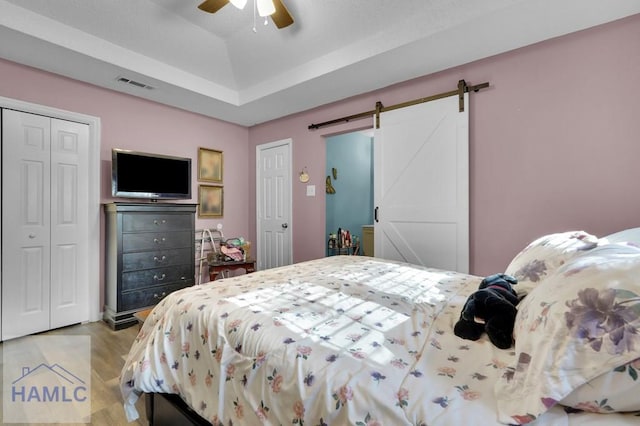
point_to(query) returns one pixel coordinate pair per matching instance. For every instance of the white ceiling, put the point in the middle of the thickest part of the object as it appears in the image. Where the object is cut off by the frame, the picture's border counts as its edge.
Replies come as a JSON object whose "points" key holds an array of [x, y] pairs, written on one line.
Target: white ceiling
{"points": [[216, 65]]}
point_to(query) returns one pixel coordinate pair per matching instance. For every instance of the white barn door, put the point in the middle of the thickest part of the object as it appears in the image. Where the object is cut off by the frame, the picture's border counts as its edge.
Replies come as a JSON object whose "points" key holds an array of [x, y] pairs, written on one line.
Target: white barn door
{"points": [[421, 185], [45, 250]]}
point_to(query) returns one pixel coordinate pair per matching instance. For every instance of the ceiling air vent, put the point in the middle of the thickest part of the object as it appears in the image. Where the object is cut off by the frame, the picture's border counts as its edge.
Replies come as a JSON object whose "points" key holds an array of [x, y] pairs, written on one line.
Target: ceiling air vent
{"points": [[134, 83]]}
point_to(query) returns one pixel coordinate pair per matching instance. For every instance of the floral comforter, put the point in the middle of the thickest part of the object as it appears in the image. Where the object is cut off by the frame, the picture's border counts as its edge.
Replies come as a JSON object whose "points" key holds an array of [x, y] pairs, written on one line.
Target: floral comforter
{"points": [[344, 340]]}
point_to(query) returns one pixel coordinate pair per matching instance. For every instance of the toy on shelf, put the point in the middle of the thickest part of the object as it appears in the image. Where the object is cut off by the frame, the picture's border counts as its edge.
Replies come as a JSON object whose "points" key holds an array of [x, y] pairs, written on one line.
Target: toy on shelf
{"points": [[343, 242]]}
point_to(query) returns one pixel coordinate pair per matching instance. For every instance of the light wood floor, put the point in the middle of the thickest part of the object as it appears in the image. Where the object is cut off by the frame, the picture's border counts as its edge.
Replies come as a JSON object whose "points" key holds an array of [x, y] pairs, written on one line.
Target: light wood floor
{"points": [[108, 350]]}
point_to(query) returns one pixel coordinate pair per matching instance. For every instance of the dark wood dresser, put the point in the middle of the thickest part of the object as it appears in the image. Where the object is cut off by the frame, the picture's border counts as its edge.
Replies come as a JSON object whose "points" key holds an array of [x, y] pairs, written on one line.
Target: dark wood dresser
{"points": [[150, 252]]}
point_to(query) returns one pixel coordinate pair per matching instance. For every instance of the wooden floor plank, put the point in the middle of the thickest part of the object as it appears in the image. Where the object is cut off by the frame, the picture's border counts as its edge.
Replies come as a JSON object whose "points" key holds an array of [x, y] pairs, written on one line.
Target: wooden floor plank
{"points": [[108, 351]]}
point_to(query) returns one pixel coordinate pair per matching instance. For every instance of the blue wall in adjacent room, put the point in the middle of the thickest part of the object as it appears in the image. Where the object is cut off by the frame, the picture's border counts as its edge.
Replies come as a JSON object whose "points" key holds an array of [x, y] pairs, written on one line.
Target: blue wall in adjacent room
{"points": [[352, 204]]}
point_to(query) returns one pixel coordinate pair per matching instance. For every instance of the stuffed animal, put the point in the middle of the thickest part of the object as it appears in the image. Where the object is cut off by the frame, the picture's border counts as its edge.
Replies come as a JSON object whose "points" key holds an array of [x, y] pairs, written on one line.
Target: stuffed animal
{"points": [[490, 309]]}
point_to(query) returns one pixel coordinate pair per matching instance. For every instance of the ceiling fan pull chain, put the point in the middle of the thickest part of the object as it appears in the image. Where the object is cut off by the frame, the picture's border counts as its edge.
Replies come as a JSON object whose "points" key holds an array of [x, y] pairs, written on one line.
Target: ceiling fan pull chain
{"points": [[254, 16]]}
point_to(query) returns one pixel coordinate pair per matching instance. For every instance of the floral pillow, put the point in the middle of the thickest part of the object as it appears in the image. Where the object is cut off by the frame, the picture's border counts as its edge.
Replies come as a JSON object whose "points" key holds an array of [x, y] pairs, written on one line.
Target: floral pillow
{"points": [[579, 323], [544, 255], [614, 391]]}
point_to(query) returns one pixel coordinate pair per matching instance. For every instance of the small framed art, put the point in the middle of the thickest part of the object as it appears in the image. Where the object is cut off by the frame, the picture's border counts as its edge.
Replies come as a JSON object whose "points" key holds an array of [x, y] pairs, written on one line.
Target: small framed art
{"points": [[211, 200], [210, 165]]}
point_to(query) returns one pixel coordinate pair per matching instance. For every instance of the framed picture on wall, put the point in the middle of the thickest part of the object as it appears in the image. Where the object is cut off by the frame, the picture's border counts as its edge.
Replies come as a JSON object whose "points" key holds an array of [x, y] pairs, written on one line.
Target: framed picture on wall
{"points": [[210, 165], [210, 201]]}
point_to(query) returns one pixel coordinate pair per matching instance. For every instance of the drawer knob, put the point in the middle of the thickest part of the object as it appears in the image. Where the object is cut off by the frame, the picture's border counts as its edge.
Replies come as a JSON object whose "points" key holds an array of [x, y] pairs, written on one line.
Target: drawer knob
{"points": [[158, 222], [159, 278], [160, 259], [159, 296], [159, 240]]}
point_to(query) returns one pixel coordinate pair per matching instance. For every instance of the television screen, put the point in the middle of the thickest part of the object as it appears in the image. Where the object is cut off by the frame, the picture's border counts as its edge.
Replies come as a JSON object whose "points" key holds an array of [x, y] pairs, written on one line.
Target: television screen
{"points": [[146, 175]]}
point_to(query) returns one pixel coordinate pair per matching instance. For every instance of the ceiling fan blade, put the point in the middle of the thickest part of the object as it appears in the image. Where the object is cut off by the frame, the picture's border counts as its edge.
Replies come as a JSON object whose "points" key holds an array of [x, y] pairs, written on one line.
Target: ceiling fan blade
{"points": [[212, 6], [281, 17]]}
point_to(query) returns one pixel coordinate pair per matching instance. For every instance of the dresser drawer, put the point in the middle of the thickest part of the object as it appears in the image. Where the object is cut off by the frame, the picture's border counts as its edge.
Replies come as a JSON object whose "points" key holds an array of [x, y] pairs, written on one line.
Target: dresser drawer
{"points": [[155, 259], [159, 276], [147, 297], [134, 222], [156, 240]]}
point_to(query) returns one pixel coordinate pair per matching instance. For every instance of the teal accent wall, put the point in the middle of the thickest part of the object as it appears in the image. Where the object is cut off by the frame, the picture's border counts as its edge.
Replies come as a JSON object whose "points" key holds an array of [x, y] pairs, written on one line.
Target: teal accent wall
{"points": [[352, 204]]}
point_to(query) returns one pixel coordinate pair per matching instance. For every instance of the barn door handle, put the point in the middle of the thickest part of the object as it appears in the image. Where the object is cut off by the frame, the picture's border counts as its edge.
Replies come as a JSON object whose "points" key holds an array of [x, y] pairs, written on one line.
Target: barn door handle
{"points": [[375, 214]]}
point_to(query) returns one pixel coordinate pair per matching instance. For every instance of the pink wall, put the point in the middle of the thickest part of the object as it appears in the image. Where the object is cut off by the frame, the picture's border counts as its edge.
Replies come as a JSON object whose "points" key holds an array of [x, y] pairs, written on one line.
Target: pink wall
{"points": [[553, 143], [133, 123]]}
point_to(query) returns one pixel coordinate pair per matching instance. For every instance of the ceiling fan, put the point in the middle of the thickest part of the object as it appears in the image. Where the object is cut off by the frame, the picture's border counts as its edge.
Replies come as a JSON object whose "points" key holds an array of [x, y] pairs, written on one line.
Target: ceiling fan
{"points": [[281, 17]]}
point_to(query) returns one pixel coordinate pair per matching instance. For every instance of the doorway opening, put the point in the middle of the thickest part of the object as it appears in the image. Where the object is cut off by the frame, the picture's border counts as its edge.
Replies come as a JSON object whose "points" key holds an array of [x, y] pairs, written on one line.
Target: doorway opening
{"points": [[349, 186]]}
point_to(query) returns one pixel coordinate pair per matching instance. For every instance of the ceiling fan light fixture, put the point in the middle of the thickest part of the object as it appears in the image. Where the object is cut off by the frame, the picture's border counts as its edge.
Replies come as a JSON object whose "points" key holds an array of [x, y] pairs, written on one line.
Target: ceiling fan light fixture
{"points": [[240, 4], [265, 7]]}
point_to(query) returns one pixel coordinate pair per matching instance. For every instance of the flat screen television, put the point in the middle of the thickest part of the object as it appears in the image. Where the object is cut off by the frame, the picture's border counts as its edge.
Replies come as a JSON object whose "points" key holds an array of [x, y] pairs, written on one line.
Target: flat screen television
{"points": [[152, 176]]}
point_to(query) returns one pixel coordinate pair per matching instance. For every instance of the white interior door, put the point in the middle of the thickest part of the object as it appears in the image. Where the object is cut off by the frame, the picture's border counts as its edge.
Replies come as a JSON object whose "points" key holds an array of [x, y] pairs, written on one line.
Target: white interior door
{"points": [[421, 185], [45, 248], [273, 201], [26, 238]]}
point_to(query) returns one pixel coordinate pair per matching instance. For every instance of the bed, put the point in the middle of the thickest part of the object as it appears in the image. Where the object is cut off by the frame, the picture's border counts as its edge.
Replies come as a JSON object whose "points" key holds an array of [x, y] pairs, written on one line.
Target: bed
{"points": [[353, 340]]}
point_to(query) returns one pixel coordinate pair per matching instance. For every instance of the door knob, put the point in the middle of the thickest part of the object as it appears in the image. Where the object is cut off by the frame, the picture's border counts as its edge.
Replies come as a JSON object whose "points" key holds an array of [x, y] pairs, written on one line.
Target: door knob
{"points": [[285, 226]]}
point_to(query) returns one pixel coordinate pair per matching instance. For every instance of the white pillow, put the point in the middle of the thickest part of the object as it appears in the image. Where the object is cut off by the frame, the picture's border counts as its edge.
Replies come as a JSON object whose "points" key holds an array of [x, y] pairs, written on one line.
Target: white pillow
{"points": [[631, 235]]}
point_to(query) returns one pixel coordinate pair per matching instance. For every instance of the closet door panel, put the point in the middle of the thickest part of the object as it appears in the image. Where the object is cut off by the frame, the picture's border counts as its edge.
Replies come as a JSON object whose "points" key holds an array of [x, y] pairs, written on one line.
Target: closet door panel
{"points": [[66, 257], [35, 282], [26, 223], [69, 223]]}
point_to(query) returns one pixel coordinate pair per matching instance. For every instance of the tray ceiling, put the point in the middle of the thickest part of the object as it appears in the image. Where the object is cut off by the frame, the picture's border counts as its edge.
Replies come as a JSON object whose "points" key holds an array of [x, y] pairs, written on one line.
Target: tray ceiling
{"points": [[216, 65]]}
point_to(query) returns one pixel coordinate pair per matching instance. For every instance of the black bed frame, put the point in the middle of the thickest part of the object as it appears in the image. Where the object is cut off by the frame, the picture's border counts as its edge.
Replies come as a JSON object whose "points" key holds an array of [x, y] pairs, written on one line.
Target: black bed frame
{"points": [[165, 409]]}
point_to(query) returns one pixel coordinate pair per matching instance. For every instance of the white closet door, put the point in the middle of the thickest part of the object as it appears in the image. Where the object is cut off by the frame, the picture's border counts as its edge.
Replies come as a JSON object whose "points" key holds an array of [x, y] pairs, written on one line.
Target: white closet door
{"points": [[69, 223], [421, 185], [26, 238], [45, 248]]}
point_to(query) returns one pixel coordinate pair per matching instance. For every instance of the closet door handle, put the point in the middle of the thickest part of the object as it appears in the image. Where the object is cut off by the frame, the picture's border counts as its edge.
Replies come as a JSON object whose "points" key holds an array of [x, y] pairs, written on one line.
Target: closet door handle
{"points": [[375, 214]]}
